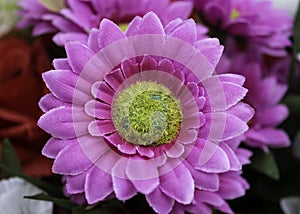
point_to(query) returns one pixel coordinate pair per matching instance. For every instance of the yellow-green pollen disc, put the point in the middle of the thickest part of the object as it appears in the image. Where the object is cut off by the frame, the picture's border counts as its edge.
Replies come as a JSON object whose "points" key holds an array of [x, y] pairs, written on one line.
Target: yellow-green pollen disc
{"points": [[147, 114], [234, 14]]}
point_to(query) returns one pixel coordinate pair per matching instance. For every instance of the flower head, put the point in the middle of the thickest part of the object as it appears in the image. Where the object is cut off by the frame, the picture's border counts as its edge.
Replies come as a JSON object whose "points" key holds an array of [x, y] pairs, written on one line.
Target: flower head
{"points": [[142, 111], [247, 21], [266, 89], [73, 19]]}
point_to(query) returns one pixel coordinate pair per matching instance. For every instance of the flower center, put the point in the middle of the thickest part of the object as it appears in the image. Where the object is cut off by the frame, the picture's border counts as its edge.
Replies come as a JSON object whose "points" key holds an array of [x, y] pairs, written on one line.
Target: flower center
{"points": [[123, 26], [147, 114], [234, 14]]}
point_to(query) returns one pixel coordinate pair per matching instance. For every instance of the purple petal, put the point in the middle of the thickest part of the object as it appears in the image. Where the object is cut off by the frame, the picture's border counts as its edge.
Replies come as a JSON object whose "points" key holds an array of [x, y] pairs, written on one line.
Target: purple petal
{"points": [[231, 187], [160, 202], [166, 66], [185, 31], [235, 164], [216, 160], [242, 110], [78, 55], [222, 126], [133, 26], [143, 174], [222, 95], [76, 90], [269, 136], [55, 145], [204, 181], [102, 91], [244, 155], [175, 151], [101, 127], [123, 146], [179, 9], [98, 110], [271, 116], [210, 48], [150, 24], [115, 79], [49, 102], [148, 63], [123, 188], [145, 151], [61, 64], [178, 184], [71, 160], [98, 185], [63, 38], [209, 198], [65, 123], [92, 42], [75, 184], [114, 34]]}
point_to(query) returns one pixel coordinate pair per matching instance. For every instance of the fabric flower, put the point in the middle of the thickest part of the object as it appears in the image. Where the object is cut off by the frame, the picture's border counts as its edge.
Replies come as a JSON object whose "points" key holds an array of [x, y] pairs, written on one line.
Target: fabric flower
{"points": [[266, 89], [8, 17], [141, 111], [73, 19], [246, 20], [21, 87], [12, 192]]}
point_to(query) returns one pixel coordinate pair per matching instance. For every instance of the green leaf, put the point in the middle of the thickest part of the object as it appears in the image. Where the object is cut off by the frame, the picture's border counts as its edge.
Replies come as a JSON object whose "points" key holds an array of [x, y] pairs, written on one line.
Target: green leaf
{"points": [[62, 202], [94, 210], [293, 102], [266, 164], [10, 161]]}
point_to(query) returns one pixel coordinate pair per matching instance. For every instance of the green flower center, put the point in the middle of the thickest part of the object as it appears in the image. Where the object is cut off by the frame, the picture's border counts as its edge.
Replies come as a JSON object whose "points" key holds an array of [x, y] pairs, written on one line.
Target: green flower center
{"points": [[234, 14], [147, 114], [123, 26]]}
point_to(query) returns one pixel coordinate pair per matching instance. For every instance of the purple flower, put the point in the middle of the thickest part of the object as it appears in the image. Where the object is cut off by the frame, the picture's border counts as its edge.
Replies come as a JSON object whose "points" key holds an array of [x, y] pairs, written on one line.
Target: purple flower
{"points": [[73, 19], [266, 89], [247, 21], [142, 111]]}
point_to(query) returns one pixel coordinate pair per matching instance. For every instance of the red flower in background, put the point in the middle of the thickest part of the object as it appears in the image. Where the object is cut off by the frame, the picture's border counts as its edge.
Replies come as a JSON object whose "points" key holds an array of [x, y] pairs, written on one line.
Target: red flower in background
{"points": [[21, 87]]}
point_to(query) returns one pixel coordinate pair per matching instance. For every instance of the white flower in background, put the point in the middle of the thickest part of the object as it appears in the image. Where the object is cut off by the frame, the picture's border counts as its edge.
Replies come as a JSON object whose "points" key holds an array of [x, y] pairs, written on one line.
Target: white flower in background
{"points": [[12, 201], [290, 205], [290, 5], [8, 16]]}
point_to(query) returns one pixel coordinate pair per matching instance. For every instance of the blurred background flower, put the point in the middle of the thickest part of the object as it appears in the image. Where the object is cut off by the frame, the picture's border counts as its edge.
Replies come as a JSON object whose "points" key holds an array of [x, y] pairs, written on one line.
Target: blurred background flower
{"points": [[12, 192], [8, 15]]}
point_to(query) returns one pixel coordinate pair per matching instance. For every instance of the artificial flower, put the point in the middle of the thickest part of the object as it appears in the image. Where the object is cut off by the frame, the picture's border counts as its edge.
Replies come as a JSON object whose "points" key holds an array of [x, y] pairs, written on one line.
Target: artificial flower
{"points": [[21, 87], [143, 112], [12, 201], [266, 90], [246, 20], [8, 17], [73, 19]]}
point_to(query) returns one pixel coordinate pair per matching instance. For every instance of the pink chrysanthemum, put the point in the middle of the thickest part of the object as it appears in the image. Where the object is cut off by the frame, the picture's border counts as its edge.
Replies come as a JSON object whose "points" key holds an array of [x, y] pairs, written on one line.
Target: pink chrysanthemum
{"points": [[250, 21], [73, 19], [266, 89], [142, 111]]}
